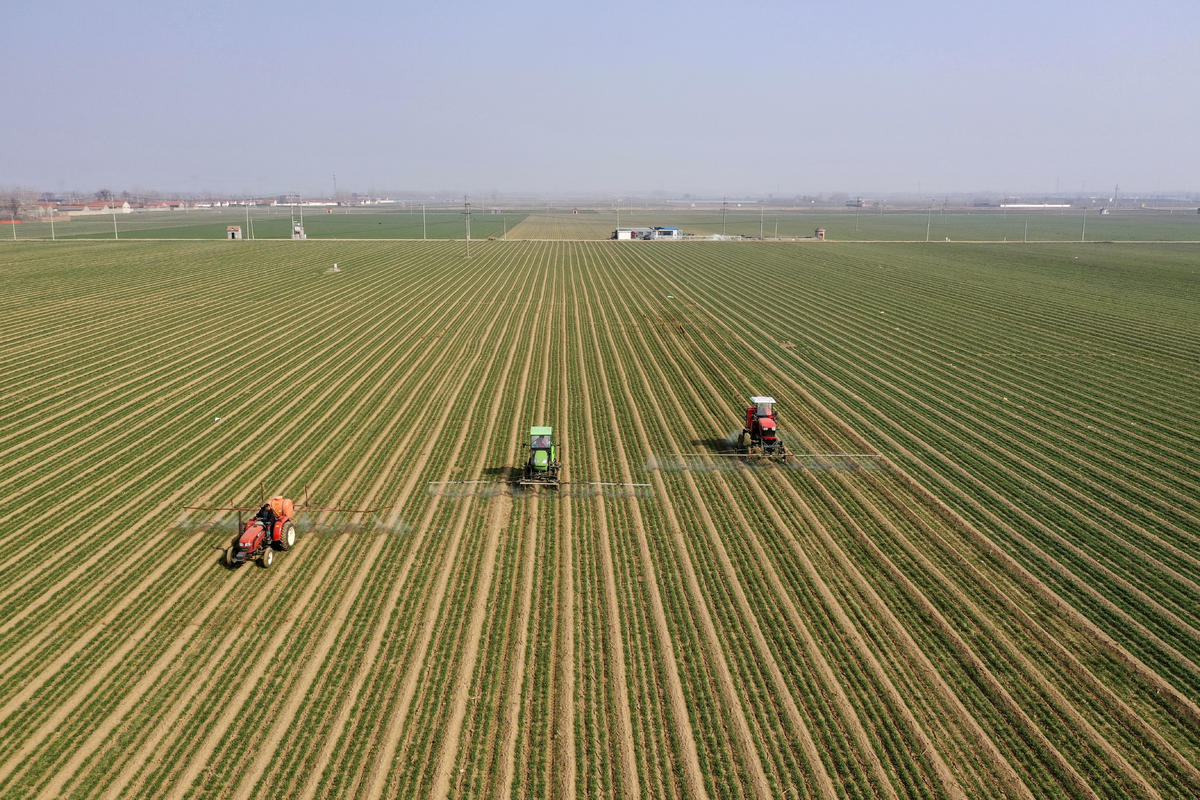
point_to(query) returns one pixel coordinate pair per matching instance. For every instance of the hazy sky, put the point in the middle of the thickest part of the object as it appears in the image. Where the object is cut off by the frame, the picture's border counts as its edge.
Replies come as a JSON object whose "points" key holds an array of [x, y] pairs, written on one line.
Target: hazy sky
{"points": [[615, 98]]}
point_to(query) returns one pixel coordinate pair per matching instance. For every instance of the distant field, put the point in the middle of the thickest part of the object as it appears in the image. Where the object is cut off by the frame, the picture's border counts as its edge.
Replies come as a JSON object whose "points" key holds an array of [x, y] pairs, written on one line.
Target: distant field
{"points": [[447, 223], [870, 225], [1003, 602], [268, 223]]}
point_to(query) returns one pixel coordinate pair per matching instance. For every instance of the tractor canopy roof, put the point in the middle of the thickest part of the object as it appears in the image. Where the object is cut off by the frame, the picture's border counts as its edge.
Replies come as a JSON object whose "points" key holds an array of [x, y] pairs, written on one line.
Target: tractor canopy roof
{"points": [[760, 400], [541, 430]]}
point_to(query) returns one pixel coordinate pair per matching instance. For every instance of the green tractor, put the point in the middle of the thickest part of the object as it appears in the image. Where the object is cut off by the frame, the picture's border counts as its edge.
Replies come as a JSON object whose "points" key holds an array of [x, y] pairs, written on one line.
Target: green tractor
{"points": [[543, 465]]}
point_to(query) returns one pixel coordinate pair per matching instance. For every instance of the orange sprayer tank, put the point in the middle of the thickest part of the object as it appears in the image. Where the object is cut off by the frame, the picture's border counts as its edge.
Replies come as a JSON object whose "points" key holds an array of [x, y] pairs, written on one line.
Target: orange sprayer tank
{"points": [[283, 507]]}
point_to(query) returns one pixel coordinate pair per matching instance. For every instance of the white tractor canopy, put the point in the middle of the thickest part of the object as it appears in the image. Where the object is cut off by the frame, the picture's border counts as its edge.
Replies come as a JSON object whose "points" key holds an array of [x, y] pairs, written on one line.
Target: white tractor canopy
{"points": [[763, 405]]}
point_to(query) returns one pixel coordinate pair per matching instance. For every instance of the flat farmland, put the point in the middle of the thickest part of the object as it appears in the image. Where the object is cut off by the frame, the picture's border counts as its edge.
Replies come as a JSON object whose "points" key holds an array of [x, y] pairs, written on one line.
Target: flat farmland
{"points": [[438, 222], [1004, 601], [447, 222], [889, 225]]}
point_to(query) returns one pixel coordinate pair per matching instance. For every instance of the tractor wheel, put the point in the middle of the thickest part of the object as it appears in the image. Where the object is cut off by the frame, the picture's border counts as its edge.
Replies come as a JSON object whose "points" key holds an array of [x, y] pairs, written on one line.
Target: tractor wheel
{"points": [[742, 440], [267, 557], [229, 562], [288, 537]]}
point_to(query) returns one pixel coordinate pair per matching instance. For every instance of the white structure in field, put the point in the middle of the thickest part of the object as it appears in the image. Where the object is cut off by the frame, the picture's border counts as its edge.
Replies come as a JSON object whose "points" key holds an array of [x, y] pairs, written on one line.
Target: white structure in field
{"points": [[657, 232], [631, 233]]}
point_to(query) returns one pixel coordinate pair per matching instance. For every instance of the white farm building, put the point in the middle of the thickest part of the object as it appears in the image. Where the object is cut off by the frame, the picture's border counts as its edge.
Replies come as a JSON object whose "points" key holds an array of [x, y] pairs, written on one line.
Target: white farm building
{"points": [[657, 232]]}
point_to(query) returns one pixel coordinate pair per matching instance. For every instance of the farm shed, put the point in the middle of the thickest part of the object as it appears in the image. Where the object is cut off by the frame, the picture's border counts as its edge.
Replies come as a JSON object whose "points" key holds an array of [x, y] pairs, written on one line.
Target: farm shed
{"points": [[666, 232], [233, 232]]}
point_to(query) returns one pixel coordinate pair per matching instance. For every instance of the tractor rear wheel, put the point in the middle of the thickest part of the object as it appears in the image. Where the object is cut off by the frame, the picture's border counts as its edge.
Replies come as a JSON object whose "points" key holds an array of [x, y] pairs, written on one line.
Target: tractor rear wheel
{"points": [[288, 537], [229, 562], [267, 557]]}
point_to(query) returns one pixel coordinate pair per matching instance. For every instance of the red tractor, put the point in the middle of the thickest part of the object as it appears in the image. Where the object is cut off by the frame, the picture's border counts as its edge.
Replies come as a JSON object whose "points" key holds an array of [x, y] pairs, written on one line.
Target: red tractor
{"points": [[760, 428], [272, 528]]}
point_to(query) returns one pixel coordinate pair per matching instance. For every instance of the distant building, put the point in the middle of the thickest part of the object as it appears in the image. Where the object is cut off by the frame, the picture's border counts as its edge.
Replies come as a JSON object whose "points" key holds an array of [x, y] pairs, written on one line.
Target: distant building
{"points": [[820, 234], [109, 207], [632, 233], [233, 232], [97, 207], [656, 232]]}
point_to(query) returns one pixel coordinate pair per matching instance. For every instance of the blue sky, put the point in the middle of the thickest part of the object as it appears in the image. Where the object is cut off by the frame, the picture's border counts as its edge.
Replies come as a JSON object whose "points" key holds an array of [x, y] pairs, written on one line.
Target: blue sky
{"points": [[703, 98]]}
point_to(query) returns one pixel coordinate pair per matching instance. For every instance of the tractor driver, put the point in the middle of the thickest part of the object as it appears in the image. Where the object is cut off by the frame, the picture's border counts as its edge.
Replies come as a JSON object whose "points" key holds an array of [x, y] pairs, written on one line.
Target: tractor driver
{"points": [[267, 515], [541, 442]]}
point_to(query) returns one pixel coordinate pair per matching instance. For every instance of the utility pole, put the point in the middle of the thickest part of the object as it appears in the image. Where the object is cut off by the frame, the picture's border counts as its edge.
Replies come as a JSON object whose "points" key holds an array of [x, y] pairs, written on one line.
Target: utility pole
{"points": [[422, 221], [467, 205], [13, 221], [928, 220], [52, 226], [115, 236], [1026, 229], [724, 204], [761, 211], [1083, 233]]}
